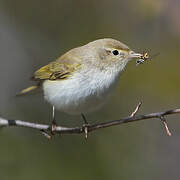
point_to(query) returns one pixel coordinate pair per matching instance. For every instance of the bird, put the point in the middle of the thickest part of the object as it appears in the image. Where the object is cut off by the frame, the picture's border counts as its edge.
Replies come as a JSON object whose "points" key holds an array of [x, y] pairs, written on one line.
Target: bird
{"points": [[82, 80]]}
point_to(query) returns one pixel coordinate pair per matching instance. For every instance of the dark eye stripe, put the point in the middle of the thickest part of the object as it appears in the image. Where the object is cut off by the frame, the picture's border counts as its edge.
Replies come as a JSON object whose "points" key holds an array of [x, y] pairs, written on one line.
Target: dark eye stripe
{"points": [[115, 52]]}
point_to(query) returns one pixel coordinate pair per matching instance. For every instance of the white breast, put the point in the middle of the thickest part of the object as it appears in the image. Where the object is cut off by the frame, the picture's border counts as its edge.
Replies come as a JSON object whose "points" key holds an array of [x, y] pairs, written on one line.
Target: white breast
{"points": [[81, 93]]}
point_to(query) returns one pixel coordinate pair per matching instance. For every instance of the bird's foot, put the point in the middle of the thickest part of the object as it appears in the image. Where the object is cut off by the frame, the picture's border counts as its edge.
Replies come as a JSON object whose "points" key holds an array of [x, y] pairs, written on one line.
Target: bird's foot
{"points": [[53, 128], [85, 129]]}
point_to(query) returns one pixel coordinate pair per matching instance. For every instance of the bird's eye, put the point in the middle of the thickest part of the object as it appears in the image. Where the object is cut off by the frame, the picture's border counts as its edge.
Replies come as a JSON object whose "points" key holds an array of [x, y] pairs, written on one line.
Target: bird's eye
{"points": [[115, 52]]}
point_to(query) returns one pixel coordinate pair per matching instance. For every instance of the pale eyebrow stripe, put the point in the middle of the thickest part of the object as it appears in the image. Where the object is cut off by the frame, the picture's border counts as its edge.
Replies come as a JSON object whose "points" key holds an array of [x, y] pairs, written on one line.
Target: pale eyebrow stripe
{"points": [[124, 49]]}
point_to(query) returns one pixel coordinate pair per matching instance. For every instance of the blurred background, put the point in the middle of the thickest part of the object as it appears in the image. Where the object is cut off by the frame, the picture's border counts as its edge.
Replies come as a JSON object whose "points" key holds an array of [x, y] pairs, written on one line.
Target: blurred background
{"points": [[33, 33]]}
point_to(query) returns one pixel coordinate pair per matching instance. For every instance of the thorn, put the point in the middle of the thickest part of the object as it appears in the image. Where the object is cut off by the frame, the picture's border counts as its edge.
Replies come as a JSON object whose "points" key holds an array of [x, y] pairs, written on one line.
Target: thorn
{"points": [[165, 125], [136, 110]]}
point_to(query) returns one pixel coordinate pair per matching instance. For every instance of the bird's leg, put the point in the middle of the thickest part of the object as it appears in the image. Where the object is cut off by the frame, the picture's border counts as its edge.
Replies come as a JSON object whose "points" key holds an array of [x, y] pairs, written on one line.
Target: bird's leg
{"points": [[85, 125], [53, 125]]}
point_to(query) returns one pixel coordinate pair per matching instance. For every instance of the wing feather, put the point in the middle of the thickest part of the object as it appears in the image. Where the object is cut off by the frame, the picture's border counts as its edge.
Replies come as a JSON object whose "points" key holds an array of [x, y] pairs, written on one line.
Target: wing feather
{"points": [[55, 70]]}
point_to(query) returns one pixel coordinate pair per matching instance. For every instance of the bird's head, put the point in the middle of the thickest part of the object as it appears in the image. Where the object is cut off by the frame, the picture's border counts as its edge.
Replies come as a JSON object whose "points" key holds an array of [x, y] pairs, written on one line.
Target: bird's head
{"points": [[110, 53]]}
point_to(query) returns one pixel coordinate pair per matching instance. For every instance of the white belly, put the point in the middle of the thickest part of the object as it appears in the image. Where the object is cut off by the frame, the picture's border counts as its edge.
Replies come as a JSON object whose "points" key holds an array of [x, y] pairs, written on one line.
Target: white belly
{"points": [[80, 93]]}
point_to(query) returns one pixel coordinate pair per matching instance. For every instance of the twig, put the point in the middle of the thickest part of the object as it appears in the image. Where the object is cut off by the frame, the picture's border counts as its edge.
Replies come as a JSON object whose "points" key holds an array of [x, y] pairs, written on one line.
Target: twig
{"points": [[45, 129], [165, 125], [136, 110]]}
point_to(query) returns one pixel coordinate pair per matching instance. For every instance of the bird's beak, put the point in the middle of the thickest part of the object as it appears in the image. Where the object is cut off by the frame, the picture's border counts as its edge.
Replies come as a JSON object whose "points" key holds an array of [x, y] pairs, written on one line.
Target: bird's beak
{"points": [[132, 54]]}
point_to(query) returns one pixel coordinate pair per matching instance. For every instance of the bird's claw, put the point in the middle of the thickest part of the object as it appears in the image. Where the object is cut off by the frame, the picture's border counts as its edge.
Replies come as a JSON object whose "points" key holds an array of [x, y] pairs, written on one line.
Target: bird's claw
{"points": [[85, 129], [53, 128]]}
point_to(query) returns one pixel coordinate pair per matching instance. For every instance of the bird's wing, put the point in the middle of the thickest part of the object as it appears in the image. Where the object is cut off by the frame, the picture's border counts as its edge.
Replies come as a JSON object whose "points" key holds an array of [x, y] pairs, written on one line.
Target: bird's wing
{"points": [[56, 70]]}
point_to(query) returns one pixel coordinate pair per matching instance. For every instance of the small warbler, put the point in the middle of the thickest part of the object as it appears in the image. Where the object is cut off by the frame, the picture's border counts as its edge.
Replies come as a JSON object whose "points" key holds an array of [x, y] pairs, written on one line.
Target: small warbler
{"points": [[82, 79]]}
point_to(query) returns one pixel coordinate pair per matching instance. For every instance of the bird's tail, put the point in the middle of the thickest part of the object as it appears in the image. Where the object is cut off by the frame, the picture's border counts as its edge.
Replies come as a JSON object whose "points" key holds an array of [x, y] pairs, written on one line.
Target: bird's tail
{"points": [[28, 90]]}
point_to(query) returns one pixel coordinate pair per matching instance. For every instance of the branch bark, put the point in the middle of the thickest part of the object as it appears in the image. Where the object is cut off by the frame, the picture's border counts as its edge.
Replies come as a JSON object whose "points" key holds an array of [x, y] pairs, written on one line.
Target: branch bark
{"points": [[46, 129]]}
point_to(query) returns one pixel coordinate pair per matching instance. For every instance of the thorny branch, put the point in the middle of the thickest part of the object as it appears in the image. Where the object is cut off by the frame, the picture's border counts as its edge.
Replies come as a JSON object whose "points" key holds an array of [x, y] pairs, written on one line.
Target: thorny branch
{"points": [[46, 129]]}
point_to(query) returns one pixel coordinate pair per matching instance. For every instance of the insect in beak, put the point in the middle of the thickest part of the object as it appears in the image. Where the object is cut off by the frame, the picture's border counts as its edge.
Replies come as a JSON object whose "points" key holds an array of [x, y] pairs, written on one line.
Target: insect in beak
{"points": [[144, 57]]}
